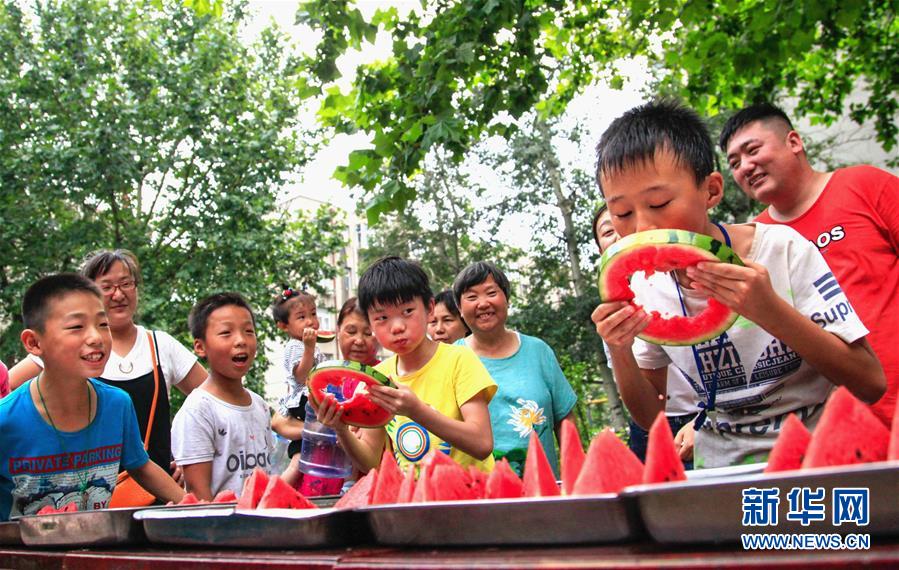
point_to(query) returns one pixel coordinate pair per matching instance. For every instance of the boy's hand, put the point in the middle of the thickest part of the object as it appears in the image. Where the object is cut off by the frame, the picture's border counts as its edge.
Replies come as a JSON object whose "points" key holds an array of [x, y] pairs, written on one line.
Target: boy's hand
{"points": [[400, 400], [618, 323], [747, 290], [329, 413], [683, 441], [310, 336]]}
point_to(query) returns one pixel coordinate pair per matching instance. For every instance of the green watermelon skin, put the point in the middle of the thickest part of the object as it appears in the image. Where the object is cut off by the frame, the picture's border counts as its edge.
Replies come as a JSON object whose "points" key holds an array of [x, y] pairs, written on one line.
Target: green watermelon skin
{"points": [[572, 455], [359, 494], [253, 488], [387, 487], [503, 483], [539, 479], [663, 462], [280, 495], [610, 466], [791, 446], [847, 433]]}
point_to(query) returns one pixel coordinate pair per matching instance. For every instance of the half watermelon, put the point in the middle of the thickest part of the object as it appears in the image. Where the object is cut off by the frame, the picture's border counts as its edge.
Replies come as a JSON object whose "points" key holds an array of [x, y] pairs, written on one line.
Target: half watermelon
{"points": [[662, 251], [348, 382], [325, 336]]}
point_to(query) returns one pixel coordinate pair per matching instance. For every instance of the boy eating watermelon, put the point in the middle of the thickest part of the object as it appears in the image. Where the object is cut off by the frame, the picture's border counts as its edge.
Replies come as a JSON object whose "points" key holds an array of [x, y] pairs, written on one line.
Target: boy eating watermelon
{"points": [[655, 169]]}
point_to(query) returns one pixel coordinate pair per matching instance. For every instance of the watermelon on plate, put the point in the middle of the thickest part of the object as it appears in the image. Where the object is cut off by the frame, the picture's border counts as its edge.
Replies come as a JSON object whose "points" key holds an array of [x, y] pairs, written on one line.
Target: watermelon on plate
{"points": [[387, 487], [359, 494], [847, 433], [407, 487], [610, 466], [663, 462], [422, 492], [449, 483], [539, 479], [253, 488], [477, 482], [280, 495], [790, 448], [664, 250], [502, 483], [573, 456], [189, 499], [226, 496]]}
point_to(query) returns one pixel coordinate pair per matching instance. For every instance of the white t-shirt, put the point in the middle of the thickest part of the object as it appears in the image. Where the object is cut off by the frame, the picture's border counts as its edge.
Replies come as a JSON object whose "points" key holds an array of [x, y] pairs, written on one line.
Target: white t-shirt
{"points": [[176, 360], [680, 399], [293, 353], [760, 379], [236, 439]]}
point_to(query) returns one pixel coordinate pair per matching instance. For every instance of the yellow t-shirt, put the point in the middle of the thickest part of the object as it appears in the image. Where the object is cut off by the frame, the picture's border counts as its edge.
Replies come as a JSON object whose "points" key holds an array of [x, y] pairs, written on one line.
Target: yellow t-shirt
{"points": [[453, 376]]}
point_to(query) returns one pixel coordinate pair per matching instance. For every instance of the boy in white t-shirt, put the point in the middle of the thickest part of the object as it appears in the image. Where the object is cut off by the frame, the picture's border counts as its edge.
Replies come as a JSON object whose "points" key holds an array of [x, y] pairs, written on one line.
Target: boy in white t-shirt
{"points": [[223, 431], [797, 335]]}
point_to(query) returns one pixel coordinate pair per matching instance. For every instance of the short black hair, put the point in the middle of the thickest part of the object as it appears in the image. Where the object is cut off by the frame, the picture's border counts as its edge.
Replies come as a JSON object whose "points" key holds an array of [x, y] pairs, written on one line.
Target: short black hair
{"points": [[758, 112], [392, 281], [448, 300], [635, 138], [599, 212], [475, 274], [37, 299], [199, 314], [100, 262], [285, 301]]}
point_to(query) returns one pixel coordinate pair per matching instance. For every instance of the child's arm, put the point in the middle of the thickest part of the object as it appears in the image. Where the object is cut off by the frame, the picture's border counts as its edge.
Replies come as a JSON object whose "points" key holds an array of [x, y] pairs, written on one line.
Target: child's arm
{"points": [[287, 427], [304, 366], [24, 370], [198, 479], [365, 451], [155, 480], [748, 291], [642, 390], [472, 435]]}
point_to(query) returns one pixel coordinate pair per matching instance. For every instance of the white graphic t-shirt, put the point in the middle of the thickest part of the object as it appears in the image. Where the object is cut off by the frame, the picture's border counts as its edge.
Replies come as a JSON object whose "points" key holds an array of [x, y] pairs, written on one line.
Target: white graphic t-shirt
{"points": [[760, 379], [236, 439]]}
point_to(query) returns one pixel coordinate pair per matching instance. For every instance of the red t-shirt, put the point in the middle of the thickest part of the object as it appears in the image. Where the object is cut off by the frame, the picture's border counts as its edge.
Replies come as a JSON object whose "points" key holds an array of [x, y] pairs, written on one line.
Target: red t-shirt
{"points": [[855, 224]]}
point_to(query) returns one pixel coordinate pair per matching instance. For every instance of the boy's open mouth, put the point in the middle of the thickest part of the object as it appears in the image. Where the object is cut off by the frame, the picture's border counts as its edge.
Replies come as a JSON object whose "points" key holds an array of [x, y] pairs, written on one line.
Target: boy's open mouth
{"points": [[93, 357], [241, 358]]}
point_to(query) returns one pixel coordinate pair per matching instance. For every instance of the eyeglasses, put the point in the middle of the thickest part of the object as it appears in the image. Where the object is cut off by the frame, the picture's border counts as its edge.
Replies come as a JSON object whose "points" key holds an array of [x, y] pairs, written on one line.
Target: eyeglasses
{"points": [[126, 285]]}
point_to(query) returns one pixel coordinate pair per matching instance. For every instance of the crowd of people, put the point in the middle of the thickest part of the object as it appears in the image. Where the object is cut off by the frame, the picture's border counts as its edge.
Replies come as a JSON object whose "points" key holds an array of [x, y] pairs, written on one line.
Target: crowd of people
{"points": [[814, 298]]}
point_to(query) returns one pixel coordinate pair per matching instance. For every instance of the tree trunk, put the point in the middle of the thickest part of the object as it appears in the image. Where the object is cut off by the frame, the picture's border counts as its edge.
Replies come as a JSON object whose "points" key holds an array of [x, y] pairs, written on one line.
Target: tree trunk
{"points": [[617, 413]]}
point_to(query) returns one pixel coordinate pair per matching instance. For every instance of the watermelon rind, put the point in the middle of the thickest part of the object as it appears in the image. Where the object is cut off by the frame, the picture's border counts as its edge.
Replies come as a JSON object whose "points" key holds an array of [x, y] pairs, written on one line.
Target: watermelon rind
{"points": [[648, 245], [325, 336], [342, 366]]}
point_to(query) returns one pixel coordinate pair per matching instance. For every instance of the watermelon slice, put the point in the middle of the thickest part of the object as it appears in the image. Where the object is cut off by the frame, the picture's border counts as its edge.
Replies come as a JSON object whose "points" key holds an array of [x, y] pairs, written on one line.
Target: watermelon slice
{"points": [[790, 447], [253, 488], [423, 491], [477, 482], [503, 483], [663, 462], [572, 455], [666, 250], [189, 499], [610, 466], [48, 510], [280, 495], [847, 433], [226, 496], [348, 382], [359, 494], [407, 487], [387, 487], [325, 336], [539, 480], [449, 483], [893, 451]]}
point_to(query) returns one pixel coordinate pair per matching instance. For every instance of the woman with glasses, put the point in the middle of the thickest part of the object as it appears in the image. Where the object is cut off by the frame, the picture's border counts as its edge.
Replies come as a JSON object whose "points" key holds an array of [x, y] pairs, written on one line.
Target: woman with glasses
{"points": [[146, 364]]}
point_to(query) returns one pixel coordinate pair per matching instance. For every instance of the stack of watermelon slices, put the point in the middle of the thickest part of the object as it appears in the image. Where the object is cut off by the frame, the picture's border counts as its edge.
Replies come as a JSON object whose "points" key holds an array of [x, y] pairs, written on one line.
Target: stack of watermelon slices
{"points": [[263, 492]]}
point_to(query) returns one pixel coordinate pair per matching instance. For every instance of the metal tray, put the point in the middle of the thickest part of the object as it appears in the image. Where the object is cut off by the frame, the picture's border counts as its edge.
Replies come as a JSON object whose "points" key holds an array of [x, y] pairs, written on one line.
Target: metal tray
{"points": [[711, 510], [556, 520], [265, 528], [10, 533], [88, 528]]}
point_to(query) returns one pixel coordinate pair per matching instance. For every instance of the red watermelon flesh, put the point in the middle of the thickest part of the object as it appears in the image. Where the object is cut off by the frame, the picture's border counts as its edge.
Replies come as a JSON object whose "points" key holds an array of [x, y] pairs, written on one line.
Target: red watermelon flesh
{"points": [[572, 455], [387, 487], [502, 483], [477, 482], [253, 488], [610, 466], [790, 447], [280, 495], [348, 383], [407, 487], [847, 433], [226, 496], [449, 484], [893, 451], [48, 510], [359, 494], [539, 479], [663, 462], [189, 499], [422, 492]]}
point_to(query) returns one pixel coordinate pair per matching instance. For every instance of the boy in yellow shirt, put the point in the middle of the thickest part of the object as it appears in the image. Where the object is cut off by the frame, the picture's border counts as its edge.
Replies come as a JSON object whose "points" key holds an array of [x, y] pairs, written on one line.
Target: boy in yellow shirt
{"points": [[442, 390]]}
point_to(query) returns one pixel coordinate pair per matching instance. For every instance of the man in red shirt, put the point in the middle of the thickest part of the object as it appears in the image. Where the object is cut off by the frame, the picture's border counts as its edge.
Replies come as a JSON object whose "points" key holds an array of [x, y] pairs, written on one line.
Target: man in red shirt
{"points": [[851, 214]]}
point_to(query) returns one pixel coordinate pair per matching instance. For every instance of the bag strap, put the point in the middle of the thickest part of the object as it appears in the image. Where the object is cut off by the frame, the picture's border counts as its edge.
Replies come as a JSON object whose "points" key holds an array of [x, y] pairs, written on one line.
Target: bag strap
{"points": [[151, 338]]}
